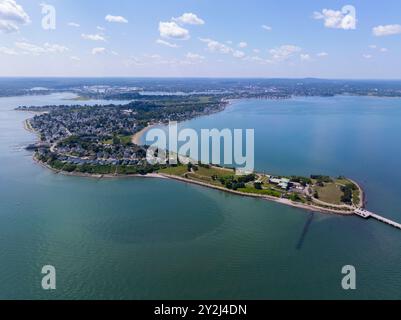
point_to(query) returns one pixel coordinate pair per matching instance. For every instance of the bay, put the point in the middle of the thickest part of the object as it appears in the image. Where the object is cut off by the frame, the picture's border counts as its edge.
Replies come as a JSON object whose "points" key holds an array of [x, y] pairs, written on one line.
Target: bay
{"points": [[145, 238]]}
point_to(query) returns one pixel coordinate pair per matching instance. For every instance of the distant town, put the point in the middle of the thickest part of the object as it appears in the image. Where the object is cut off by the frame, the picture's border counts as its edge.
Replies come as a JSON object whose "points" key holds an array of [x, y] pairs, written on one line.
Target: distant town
{"points": [[137, 88]]}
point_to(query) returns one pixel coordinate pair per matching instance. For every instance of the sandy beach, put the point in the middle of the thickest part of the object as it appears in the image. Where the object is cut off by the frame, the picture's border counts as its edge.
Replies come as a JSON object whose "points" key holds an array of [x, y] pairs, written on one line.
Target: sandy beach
{"points": [[137, 137]]}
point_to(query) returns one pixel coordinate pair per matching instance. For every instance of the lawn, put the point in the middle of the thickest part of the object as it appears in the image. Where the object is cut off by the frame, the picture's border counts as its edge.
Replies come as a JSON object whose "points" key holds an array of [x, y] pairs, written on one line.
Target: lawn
{"points": [[356, 197], [214, 171], [267, 192], [175, 171], [206, 179], [123, 140], [355, 194], [330, 193]]}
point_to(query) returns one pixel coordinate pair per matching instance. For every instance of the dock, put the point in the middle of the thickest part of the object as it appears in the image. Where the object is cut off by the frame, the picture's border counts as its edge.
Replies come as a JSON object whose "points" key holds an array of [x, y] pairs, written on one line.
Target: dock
{"points": [[367, 215]]}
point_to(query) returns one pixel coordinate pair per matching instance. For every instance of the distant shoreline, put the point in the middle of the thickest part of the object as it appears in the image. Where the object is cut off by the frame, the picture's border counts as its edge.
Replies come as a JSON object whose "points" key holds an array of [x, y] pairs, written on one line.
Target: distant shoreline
{"points": [[137, 137]]}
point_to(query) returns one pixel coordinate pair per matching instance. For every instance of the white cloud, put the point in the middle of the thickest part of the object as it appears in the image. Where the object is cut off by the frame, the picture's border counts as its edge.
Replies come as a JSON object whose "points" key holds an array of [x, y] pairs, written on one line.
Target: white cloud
{"points": [[153, 56], [215, 46], [322, 54], [375, 47], [166, 43], [284, 52], [74, 58], [172, 30], [258, 60], [100, 28], [189, 18], [134, 61], [98, 51], [305, 57], [337, 19], [8, 26], [8, 51], [55, 48], [11, 16], [242, 44], [267, 28], [191, 55], [387, 30], [93, 37], [117, 19], [367, 56], [74, 24], [193, 58], [11, 11], [238, 54], [29, 48], [257, 51]]}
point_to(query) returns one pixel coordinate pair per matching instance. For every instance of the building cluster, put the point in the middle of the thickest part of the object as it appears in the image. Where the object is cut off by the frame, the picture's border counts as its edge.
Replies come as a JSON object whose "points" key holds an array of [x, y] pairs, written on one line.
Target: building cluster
{"points": [[286, 184], [100, 122], [101, 135]]}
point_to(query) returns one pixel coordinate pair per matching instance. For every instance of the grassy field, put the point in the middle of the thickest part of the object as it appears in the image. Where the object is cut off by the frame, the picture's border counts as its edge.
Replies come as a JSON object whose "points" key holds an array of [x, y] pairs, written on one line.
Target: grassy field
{"points": [[201, 171], [175, 171], [123, 140], [267, 192], [342, 182], [356, 197], [330, 193], [214, 171], [206, 179]]}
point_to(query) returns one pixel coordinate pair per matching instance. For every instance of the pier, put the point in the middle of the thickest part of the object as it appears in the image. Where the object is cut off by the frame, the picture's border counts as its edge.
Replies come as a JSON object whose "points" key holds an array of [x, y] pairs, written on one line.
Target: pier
{"points": [[367, 215]]}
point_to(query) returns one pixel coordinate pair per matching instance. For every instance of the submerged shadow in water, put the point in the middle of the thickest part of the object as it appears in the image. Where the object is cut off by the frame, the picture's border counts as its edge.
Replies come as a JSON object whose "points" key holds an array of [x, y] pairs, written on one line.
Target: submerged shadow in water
{"points": [[305, 231]]}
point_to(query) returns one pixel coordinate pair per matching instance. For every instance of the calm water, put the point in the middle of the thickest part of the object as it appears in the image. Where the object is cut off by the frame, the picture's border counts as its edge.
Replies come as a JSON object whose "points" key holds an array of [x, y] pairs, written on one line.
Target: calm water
{"points": [[149, 239]]}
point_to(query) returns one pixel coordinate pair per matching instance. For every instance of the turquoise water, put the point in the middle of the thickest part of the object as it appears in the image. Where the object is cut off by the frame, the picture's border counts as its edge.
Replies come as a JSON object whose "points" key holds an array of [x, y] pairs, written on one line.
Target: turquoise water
{"points": [[155, 239]]}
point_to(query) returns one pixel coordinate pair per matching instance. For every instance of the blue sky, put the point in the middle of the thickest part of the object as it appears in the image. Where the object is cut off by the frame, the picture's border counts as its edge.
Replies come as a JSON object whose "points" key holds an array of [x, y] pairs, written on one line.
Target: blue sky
{"points": [[202, 38]]}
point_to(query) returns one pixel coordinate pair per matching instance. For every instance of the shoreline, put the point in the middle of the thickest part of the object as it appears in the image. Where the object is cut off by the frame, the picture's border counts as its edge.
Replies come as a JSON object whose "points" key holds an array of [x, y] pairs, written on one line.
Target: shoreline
{"points": [[286, 202], [28, 127], [137, 137], [97, 176]]}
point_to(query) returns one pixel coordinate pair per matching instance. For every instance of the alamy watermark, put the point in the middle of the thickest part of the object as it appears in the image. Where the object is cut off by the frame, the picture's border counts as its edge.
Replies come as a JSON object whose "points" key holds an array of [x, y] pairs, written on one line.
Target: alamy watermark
{"points": [[49, 279], [226, 147], [349, 280], [49, 17], [349, 19]]}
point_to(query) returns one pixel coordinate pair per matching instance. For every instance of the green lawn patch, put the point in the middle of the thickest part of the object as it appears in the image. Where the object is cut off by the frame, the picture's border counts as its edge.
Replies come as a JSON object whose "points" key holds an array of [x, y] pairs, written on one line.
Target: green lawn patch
{"points": [[179, 170], [330, 193]]}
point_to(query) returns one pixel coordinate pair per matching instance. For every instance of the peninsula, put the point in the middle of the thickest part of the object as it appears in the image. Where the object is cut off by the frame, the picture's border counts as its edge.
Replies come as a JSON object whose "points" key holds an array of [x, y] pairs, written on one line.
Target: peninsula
{"points": [[103, 141]]}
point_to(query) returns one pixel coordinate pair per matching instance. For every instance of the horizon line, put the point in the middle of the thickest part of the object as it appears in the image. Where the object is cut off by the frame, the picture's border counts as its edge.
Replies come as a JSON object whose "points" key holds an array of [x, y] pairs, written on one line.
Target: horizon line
{"points": [[200, 78]]}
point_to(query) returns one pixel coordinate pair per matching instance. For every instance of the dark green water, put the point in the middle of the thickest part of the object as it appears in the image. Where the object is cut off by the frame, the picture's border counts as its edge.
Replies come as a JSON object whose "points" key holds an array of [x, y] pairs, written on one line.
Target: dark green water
{"points": [[150, 239]]}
